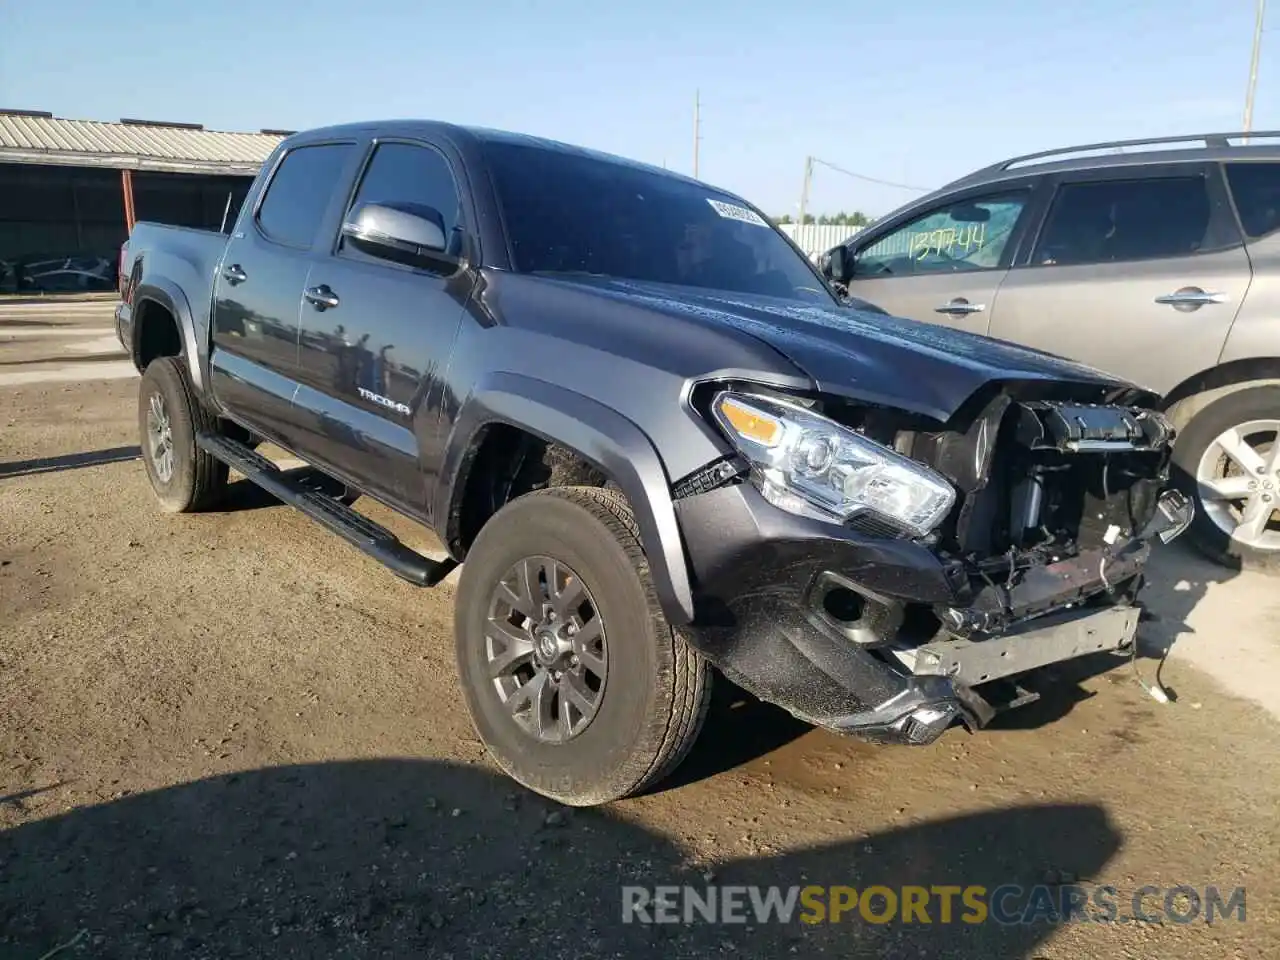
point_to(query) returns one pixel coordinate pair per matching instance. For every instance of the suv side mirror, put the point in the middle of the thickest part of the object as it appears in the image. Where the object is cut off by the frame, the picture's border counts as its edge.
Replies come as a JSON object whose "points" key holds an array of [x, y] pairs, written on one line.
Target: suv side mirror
{"points": [[409, 233], [835, 265]]}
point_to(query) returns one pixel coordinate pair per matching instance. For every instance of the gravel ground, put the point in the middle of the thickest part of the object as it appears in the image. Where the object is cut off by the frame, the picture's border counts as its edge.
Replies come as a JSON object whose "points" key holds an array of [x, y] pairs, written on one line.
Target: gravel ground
{"points": [[231, 735]]}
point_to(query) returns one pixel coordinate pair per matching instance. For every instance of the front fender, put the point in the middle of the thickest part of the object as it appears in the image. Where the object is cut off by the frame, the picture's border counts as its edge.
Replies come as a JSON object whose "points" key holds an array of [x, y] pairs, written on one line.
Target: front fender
{"points": [[169, 295], [600, 435]]}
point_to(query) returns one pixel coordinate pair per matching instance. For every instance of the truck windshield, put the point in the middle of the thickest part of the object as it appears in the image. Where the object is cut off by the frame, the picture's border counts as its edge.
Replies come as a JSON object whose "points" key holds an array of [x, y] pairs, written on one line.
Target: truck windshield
{"points": [[569, 213]]}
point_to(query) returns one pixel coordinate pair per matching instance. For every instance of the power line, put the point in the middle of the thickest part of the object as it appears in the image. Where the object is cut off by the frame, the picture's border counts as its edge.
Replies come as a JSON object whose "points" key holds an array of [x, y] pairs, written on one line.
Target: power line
{"points": [[859, 176]]}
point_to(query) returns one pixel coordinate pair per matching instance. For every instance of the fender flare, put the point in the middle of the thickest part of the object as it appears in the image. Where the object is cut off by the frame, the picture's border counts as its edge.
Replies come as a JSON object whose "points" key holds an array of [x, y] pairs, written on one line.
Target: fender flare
{"points": [[170, 296], [610, 441]]}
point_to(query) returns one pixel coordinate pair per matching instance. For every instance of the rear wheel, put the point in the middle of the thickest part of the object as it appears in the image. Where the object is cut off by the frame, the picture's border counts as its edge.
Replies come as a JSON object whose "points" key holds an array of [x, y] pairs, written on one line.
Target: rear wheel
{"points": [[577, 685], [183, 477], [1228, 458]]}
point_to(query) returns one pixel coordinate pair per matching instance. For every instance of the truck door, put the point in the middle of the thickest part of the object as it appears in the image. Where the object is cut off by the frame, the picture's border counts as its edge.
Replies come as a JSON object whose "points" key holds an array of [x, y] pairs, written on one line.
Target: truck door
{"points": [[258, 290], [377, 330]]}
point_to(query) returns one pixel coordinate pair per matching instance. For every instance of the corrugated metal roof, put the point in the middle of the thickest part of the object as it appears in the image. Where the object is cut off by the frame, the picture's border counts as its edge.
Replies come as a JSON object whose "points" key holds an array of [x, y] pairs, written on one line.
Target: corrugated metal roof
{"points": [[38, 139]]}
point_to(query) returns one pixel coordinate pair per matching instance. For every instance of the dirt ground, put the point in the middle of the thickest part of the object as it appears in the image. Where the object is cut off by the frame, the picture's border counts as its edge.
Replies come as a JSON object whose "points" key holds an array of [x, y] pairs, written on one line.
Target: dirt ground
{"points": [[231, 735]]}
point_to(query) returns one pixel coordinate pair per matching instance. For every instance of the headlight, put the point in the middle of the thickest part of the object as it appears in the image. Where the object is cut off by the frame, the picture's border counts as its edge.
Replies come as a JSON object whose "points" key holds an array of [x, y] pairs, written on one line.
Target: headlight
{"points": [[808, 464]]}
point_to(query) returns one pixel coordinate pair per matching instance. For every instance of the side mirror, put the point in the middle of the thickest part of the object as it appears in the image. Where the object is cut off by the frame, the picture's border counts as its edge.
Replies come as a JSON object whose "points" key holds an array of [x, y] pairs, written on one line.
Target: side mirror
{"points": [[835, 264], [409, 233]]}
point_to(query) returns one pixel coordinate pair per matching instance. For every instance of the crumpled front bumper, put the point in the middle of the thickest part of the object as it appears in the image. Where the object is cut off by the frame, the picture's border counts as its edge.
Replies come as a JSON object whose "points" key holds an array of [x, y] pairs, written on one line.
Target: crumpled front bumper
{"points": [[764, 618]]}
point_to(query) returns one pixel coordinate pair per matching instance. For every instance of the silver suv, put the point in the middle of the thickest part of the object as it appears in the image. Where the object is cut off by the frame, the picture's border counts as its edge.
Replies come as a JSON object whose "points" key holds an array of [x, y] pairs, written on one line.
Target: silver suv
{"points": [[1157, 260]]}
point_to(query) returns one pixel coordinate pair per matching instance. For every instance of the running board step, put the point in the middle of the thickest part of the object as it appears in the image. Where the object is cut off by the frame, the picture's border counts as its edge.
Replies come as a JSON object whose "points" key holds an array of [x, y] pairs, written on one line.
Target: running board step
{"points": [[358, 530]]}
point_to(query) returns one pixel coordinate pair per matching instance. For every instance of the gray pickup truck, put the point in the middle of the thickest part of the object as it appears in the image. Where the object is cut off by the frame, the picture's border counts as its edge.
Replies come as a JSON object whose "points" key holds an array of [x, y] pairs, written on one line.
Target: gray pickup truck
{"points": [[660, 444]]}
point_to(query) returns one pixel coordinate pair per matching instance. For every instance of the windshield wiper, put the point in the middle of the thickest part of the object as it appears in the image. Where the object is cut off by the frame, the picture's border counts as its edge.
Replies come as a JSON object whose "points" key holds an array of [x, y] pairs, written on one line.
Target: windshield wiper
{"points": [[572, 273]]}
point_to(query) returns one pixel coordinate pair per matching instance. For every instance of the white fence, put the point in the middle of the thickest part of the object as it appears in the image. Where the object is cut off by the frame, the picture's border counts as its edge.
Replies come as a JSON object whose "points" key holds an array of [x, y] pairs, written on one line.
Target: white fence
{"points": [[816, 239]]}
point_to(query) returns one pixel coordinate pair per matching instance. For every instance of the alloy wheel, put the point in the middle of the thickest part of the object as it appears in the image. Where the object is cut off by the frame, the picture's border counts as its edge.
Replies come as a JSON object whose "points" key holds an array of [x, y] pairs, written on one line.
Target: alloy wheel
{"points": [[160, 438], [546, 650], [1239, 482]]}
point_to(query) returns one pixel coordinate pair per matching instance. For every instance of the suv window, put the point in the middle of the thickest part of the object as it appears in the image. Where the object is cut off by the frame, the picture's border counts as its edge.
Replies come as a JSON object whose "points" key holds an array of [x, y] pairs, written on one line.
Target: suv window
{"points": [[405, 173], [1256, 190], [300, 191], [1116, 220], [969, 235]]}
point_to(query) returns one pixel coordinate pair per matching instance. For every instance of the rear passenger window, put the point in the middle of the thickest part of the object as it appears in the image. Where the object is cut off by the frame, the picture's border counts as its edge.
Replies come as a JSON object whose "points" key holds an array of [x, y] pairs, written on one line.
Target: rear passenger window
{"points": [[1255, 187], [402, 173], [300, 191], [1117, 220]]}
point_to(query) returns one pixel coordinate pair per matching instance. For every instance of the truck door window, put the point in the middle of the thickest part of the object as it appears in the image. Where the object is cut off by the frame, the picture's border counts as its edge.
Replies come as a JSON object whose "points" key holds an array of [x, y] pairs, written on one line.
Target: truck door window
{"points": [[1255, 188], [1111, 221], [300, 191], [963, 235], [404, 173]]}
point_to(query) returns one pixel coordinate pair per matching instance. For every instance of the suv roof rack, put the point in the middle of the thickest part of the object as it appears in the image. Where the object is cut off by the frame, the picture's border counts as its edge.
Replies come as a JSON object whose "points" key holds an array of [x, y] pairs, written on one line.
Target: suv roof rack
{"points": [[1211, 140]]}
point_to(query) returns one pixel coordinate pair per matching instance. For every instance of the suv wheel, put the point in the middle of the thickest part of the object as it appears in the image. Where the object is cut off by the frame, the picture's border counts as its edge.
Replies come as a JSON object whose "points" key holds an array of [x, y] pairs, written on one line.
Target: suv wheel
{"points": [[1228, 458], [183, 476], [577, 685]]}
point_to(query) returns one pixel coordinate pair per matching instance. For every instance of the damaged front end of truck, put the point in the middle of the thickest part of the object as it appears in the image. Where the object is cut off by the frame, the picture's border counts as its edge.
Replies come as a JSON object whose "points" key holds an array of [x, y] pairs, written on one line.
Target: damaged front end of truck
{"points": [[877, 574]]}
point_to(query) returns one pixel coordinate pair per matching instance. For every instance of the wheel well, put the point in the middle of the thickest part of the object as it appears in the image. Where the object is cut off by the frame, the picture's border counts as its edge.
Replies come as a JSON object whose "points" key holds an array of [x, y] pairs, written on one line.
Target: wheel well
{"points": [[157, 334], [509, 462], [1197, 392]]}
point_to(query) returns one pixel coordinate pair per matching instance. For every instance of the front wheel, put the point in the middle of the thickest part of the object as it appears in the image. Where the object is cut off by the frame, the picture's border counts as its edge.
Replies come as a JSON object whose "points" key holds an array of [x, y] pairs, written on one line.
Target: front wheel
{"points": [[576, 683], [1228, 459]]}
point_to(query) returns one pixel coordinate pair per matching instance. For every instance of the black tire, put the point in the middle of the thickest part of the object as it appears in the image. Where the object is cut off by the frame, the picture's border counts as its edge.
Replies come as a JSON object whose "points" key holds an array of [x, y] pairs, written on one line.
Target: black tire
{"points": [[1254, 403], [196, 481], [658, 688]]}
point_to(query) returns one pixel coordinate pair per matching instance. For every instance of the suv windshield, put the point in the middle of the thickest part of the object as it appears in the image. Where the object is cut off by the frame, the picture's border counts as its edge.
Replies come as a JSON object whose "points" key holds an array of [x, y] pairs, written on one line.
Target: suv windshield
{"points": [[570, 213]]}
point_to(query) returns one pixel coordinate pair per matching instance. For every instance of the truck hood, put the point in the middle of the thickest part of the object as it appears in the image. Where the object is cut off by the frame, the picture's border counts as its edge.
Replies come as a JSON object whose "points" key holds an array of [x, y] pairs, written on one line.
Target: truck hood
{"points": [[872, 357]]}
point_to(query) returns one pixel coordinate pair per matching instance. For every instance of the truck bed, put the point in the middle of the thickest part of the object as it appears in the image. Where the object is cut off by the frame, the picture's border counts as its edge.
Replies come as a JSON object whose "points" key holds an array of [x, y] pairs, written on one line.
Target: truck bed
{"points": [[186, 257]]}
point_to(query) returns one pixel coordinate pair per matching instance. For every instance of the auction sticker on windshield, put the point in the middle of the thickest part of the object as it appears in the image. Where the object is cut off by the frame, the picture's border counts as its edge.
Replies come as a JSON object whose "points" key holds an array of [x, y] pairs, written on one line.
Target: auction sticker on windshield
{"points": [[732, 211]]}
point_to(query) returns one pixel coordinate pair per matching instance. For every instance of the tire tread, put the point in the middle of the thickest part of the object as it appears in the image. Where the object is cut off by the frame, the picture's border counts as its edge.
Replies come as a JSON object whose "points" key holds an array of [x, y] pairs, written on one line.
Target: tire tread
{"points": [[1233, 408], [690, 680], [209, 475]]}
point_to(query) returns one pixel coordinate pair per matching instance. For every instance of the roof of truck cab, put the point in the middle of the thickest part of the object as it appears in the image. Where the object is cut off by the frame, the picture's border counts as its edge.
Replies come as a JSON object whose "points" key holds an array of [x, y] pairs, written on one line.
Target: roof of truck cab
{"points": [[527, 140], [427, 128]]}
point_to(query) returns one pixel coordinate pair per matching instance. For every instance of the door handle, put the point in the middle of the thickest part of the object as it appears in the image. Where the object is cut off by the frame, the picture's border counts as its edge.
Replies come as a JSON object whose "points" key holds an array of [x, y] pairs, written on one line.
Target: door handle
{"points": [[235, 274], [959, 307], [1191, 297], [321, 297]]}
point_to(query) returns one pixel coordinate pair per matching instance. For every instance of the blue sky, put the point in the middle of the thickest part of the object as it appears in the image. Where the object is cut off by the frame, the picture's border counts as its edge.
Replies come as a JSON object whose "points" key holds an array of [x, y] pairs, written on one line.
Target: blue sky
{"points": [[915, 92]]}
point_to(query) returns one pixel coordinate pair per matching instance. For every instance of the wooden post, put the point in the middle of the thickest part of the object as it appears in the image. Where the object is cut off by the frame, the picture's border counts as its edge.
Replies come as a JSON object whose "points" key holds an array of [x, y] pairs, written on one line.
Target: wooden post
{"points": [[126, 185]]}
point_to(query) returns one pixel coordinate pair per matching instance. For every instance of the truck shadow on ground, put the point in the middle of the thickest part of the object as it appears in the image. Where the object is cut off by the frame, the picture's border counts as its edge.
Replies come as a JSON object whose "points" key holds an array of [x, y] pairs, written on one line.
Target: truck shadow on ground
{"points": [[70, 461], [1177, 581], [407, 858], [739, 729]]}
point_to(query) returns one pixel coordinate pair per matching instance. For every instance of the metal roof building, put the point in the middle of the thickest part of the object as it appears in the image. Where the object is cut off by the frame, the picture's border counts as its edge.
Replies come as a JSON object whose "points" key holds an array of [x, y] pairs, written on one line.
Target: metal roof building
{"points": [[33, 137], [71, 190]]}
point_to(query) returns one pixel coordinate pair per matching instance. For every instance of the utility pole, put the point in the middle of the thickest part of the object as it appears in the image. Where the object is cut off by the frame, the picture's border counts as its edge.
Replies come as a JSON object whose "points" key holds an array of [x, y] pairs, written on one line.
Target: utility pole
{"points": [[1253, 66], [804, 191], [697, 128]]}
